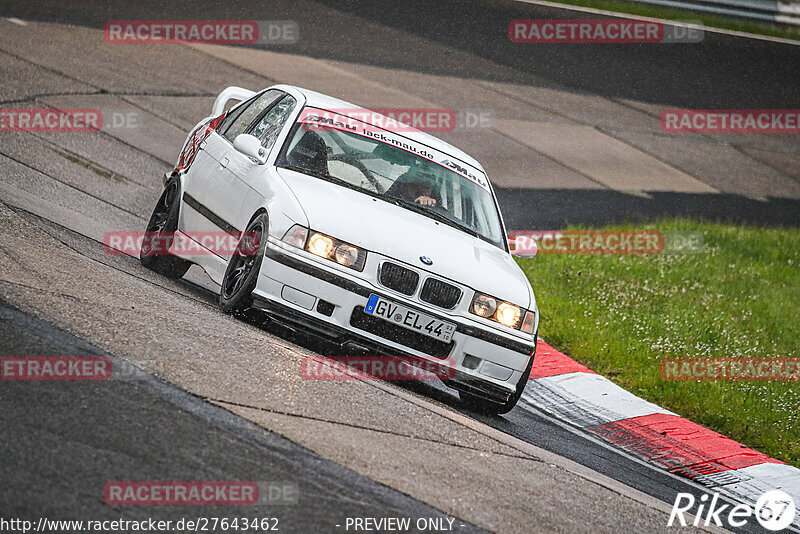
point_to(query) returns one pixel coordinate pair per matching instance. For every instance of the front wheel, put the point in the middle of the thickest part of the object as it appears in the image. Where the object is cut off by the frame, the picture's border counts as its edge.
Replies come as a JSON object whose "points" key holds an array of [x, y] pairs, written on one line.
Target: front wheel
{"points": [[241, 276], [159, 234]]}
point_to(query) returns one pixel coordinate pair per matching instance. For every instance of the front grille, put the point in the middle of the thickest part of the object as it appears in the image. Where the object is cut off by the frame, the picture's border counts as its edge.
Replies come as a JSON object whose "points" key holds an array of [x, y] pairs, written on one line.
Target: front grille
{"points": [[399, 278], [440, 293], [398, 334]]}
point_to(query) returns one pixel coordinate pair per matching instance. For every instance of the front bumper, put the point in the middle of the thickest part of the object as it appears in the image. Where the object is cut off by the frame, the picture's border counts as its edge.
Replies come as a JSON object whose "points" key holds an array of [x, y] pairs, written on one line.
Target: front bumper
{"points": [[305, 293]]}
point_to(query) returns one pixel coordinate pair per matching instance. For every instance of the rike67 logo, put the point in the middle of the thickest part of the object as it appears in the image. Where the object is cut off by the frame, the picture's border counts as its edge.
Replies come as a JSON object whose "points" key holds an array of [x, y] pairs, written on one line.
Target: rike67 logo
{"points": [[774, 510]]}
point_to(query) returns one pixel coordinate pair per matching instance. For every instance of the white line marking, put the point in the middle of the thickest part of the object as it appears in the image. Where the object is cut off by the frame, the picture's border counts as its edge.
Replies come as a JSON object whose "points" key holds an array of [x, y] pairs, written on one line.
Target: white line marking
{"points": [[17, 21], [700, 489], [767, 477], [663, 21], [586, 399], [764, 476]]}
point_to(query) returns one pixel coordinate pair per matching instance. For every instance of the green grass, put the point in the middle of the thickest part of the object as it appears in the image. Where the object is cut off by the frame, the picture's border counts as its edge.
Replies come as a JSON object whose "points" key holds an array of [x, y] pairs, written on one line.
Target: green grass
{"points": [[735, 295], [707, 19]]}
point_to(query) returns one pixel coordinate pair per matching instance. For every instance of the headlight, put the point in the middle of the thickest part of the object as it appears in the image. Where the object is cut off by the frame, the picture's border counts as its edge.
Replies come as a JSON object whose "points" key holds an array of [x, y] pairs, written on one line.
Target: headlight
{"points": [[483, 305], [321, 245], [347, 255], [336, 250], [508, 314], [501, 311]]}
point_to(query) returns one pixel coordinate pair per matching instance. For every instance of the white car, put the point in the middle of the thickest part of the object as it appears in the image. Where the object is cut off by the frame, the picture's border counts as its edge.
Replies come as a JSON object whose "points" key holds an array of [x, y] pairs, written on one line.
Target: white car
{"points": [[382, 239]]}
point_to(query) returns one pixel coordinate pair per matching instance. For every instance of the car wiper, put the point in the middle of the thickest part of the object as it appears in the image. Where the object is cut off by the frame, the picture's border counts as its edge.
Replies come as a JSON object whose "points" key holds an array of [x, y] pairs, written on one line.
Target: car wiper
{"points": [[329, 178], [413, 206]]}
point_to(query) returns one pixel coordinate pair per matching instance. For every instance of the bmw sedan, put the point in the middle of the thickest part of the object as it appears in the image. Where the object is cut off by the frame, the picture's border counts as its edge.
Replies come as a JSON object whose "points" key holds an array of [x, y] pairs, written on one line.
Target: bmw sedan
{"points": [[355, 228]]}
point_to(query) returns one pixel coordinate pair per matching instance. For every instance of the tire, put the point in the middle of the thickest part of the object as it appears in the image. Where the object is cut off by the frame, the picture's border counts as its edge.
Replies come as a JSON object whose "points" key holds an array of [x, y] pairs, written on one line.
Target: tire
{"points": [[498, 408], [241, 276], [160, 230]]}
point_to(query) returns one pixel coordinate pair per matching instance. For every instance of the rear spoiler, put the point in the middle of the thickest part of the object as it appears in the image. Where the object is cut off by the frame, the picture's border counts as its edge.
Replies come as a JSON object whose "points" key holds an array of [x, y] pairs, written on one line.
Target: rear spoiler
{"points": [[230, 93]]}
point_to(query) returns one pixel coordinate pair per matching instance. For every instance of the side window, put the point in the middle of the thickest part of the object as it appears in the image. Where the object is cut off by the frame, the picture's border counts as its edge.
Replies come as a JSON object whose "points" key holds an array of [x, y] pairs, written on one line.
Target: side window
{"points": [[232, 113], [238, 121], [269, 126]]}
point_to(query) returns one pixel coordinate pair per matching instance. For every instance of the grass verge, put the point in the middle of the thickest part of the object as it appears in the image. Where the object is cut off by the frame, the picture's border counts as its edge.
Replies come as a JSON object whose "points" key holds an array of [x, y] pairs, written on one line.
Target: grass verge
{"points": [[707, 19], [735, 294]]}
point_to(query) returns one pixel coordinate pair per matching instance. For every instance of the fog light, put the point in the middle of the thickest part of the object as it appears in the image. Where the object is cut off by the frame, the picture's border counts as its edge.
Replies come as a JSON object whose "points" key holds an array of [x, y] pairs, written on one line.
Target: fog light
{"points": [[471, 362]]}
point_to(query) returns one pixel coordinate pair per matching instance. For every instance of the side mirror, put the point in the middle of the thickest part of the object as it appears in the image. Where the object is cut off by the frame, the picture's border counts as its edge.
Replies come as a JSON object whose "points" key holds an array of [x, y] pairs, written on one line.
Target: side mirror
{"points": [[522, 246], [251, 147]]}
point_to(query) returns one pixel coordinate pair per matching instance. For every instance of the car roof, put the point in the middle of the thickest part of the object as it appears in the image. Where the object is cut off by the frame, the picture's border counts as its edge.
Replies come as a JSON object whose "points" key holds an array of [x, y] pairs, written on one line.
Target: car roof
{"points": [[322, 101]]}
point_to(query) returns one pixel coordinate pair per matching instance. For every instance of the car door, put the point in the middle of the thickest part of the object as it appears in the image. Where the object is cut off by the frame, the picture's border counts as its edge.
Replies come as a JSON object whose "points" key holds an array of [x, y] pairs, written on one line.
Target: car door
{"points": [[244, 173], [209, 191], [200, 169]]}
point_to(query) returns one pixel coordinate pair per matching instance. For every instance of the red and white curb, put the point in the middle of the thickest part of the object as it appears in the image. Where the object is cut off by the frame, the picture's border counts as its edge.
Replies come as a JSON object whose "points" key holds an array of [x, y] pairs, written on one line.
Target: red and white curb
{"points": [[573, 393]]}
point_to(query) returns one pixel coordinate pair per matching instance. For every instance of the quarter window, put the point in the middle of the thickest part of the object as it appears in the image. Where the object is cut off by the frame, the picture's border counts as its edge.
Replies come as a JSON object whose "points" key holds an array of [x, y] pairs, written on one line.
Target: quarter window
{"points": [[240, 118]]}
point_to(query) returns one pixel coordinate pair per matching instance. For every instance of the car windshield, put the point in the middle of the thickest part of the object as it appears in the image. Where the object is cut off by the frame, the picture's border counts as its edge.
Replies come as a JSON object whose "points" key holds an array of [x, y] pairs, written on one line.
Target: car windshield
{"points": [[393, 168]]}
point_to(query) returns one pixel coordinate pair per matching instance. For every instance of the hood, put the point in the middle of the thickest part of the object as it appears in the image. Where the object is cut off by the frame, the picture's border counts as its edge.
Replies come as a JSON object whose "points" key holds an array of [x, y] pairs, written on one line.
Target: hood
{"points": [[404, 235]]}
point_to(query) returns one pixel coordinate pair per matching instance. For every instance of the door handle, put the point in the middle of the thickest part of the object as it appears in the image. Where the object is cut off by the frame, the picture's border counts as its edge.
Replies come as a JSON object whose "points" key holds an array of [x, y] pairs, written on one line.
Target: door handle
{"points": [[225, 161]]}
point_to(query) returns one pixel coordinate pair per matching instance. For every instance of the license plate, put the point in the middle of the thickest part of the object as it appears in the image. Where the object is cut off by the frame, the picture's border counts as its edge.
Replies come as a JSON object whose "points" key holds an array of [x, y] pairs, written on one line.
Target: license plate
{"points": [[410, 319]]}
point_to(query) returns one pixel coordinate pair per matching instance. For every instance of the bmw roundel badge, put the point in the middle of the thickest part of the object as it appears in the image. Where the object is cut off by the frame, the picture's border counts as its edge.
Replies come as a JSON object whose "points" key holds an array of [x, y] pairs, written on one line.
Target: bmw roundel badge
{"points": [[426, 260]]}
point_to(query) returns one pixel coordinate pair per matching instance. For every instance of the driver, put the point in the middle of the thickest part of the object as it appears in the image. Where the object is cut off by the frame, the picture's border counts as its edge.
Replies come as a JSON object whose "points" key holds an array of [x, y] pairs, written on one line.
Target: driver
{"points": [[415, 185]]}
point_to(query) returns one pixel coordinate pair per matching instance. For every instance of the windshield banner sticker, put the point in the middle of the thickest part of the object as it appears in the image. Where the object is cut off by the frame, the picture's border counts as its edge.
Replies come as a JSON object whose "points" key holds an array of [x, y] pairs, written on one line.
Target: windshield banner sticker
{"points": [[337, 121]]}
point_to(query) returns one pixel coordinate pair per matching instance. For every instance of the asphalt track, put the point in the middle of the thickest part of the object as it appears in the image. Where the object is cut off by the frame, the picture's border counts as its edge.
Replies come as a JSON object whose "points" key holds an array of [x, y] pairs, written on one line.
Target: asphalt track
{"points": [[429, 49], [60, 193], [213, 445]]}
